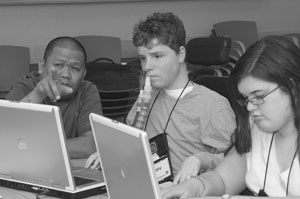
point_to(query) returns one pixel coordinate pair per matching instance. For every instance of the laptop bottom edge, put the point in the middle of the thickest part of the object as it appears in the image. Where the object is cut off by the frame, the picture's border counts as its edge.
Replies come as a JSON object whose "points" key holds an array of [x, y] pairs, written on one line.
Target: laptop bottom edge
{"points": [[52, 192]]}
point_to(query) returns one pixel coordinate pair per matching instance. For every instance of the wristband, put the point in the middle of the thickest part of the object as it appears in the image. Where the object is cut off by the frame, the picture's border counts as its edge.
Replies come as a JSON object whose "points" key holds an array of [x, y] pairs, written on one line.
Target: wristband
{"points": [[29, 98], [226, 196]]}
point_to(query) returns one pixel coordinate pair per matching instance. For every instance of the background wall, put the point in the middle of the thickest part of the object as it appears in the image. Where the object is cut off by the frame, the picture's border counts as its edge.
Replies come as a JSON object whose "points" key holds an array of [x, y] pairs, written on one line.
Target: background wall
{"points": [[35, 25]]}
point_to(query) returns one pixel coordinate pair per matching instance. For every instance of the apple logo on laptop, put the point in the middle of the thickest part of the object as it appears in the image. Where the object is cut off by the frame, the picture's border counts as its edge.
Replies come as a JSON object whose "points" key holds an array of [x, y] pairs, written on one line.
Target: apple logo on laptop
{"points": [[22, 144], [124, 172]]}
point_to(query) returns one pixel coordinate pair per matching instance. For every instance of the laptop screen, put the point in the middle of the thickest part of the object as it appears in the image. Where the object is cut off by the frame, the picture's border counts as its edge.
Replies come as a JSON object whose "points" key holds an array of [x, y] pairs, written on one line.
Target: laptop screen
{"points": [[126, 159], [31, 145]]}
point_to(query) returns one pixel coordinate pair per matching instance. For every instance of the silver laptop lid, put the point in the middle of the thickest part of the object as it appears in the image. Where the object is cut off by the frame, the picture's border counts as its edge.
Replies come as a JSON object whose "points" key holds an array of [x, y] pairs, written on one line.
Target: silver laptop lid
{"points": [[32, 145], [126, 159]]}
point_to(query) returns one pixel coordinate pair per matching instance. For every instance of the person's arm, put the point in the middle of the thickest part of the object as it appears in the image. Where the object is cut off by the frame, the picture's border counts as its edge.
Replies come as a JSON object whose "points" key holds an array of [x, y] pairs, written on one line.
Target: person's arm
{"points": [[81, 147], [228, 177], [196, 164], [216, 134], [21, 88], [245, 197], [28, 90], [208, 160], [231, 172]]}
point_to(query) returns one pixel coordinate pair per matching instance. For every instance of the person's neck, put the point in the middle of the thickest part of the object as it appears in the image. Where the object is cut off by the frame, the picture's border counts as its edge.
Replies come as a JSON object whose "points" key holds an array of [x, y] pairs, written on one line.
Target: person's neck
{"points": [[178, 85], [181, 92], [181, 80], [288, 131]]}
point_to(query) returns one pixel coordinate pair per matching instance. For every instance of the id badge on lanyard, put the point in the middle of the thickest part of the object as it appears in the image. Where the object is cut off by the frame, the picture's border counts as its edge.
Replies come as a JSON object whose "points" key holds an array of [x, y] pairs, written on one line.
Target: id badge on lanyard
{"points": [[161, 157], [160, 148]]}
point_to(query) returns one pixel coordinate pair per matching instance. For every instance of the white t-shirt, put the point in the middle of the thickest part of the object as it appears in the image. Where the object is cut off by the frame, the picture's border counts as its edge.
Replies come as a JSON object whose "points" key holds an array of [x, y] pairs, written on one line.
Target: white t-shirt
{"points": [[176, 93], [276, 181]]}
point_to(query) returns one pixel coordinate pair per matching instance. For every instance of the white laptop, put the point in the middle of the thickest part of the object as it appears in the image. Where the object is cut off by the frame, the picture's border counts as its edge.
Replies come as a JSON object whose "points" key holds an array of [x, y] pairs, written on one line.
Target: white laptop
{"points": [[34, 156], [126, 159]]}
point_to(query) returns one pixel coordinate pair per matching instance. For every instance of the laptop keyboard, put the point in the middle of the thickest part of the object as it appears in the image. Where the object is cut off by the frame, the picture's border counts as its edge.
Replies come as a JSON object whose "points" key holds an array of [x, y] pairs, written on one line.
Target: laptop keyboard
{"points": [[81, 181]]}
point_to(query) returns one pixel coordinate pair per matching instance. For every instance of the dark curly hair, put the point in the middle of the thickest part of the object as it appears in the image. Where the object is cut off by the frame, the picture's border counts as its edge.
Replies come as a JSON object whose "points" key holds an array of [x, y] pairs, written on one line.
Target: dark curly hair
{"points": [[166, 27]]}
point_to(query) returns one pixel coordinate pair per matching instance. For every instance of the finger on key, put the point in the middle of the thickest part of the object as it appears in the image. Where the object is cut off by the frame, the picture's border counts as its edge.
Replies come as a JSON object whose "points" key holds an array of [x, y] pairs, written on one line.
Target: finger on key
{"points": [[95, 165], [90, 160]]}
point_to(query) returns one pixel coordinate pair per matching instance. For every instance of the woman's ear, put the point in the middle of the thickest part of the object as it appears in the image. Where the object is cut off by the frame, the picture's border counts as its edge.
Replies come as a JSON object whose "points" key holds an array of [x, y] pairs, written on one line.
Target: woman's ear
{"points": [[41, 65]]}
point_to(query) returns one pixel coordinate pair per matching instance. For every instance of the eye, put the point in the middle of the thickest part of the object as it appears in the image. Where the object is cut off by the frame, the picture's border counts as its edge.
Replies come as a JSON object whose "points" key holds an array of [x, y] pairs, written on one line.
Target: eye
{"points": [[157, 56], [75, 69], [142, 59], [58, 65], [258, 97]]}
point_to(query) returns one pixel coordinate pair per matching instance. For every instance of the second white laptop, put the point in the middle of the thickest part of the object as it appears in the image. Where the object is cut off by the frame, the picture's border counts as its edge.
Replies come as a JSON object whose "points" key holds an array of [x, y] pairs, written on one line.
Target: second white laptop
{"points": [[126, 159]]}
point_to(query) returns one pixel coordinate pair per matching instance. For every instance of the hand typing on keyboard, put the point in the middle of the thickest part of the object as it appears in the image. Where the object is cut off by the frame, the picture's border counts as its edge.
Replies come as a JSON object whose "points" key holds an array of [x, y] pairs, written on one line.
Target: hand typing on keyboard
{"points": [[93, 161]]}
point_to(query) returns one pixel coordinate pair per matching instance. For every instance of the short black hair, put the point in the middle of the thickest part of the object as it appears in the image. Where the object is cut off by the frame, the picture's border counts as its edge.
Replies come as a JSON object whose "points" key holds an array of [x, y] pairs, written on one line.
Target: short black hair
{"points": [[64, 41]]}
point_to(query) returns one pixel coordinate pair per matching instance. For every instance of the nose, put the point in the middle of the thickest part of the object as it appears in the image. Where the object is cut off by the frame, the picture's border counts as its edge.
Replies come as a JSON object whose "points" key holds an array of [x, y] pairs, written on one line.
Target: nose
{"points": [[251, 107], [65, 72], [147, 65]]}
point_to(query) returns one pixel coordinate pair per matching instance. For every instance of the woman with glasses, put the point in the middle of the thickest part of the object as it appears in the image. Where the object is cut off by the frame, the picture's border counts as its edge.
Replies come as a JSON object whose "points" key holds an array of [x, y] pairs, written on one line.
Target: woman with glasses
{"points": [[264, 159]]}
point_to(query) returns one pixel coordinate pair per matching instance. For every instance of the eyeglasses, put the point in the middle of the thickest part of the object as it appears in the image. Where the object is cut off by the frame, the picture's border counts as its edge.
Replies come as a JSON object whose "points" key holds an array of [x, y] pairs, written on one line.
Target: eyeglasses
{"points": [[257, 100]]}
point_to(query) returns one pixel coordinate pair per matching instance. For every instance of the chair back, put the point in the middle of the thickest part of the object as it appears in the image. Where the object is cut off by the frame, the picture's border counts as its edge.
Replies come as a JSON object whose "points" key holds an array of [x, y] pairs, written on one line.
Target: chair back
{"points": [[209, 54], [14, 64], [118, 87], [243, 31], [294, 37], [101, 46], [208, 51], [218, 84]]}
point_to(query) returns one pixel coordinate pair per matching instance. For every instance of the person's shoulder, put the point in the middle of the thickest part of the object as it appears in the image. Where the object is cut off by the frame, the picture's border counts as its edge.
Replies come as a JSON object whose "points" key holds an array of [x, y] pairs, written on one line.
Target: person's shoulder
{"points": [[210, 97], [32, 76], [29, 80], [202, 91], [87, 85], [87, 90]]}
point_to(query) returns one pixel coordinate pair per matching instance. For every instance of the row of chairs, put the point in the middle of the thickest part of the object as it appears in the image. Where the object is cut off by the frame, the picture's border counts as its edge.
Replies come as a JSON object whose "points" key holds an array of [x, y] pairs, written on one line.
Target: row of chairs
{"points": [[14, 63], [118, 82], [217, 55], [227, 43], [214, 56]]}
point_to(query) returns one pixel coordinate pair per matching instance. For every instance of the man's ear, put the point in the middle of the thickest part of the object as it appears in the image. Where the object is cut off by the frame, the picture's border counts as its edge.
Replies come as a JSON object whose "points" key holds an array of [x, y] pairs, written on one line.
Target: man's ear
{"points": [[83, 74], [41, 64], [181, 54]]}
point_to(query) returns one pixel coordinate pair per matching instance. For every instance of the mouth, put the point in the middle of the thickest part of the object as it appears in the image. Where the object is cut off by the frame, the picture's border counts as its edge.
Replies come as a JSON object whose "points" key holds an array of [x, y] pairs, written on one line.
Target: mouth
{"points": [[257, 117], [64, 83], [152, 77]]}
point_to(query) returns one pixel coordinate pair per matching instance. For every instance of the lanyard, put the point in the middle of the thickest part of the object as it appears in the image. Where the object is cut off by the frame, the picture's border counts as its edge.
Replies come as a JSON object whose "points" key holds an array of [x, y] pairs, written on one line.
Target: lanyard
{"points": [[267, 166], [171, 110]]}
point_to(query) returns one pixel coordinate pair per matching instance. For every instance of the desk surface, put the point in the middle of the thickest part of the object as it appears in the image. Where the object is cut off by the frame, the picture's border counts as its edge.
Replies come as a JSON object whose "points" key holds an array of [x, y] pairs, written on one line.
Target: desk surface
{"points": [[8, 193]]}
